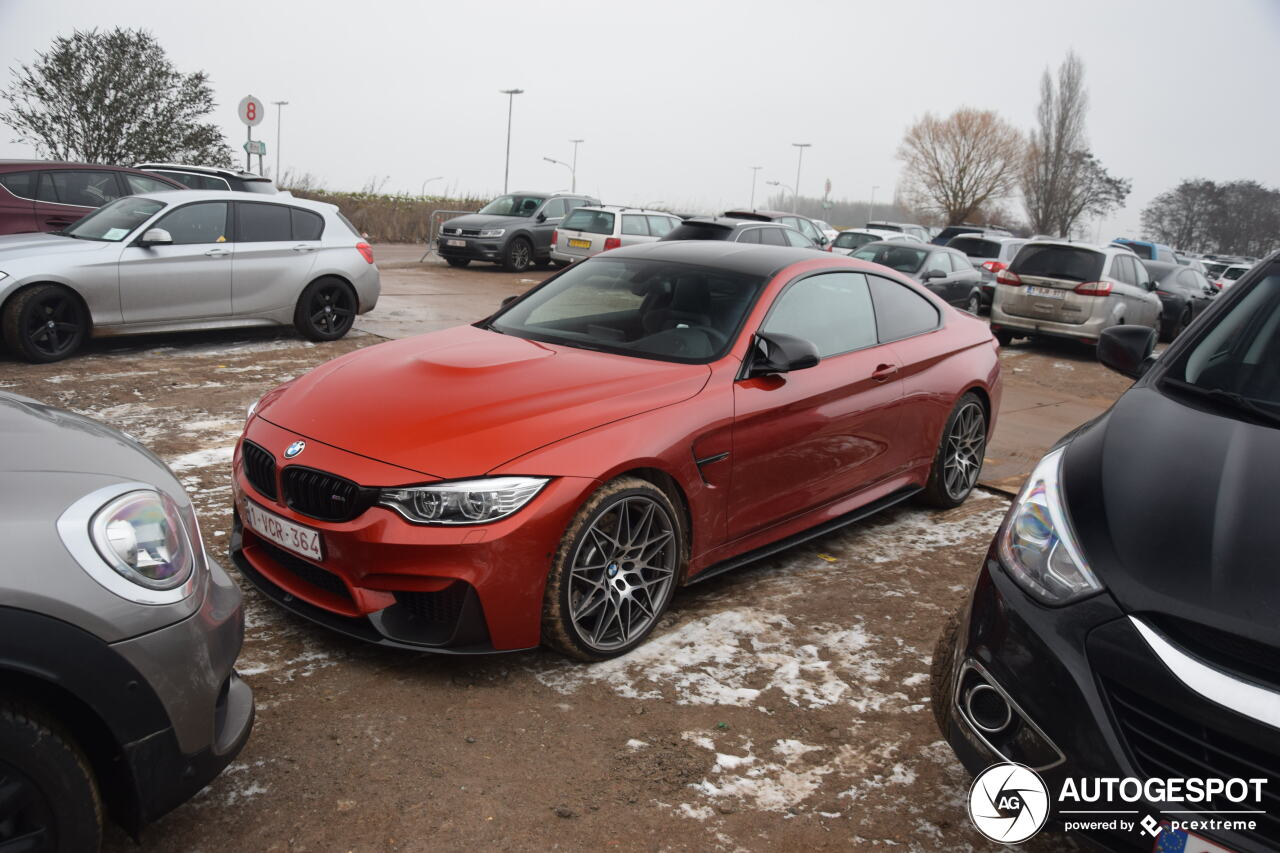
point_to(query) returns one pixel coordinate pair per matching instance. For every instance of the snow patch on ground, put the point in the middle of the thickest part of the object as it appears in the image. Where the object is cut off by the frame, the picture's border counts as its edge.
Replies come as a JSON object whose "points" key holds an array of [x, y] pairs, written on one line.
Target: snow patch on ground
{"points": [[202, 458], [764, 784]]}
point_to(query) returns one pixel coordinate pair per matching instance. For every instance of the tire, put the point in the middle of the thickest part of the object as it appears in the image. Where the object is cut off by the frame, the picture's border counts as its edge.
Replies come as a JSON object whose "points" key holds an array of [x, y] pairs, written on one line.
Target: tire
{"points": [[575, 620], [559, 264], [1183, 322], [326, 310], [974, 305], [958, 460], [1004, 337], [457, 262], [45, 323], [942, 683], [518, 255], [46, 785], [542, 263]]}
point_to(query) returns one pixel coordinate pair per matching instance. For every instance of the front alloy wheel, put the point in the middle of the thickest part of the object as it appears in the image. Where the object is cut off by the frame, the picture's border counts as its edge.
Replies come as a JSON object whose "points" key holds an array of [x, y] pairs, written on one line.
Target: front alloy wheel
{"points": [[615, 571], [45, 323]]}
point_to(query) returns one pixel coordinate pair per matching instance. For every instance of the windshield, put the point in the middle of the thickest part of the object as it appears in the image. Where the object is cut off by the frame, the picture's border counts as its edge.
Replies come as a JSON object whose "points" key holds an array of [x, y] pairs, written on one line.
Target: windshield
{"points": [[115, 221], [645, 308], [514, 205], [591, 221], [1233, 273], [900, 258], [1142, 250], [853, 240], [976, 247], [1052, 261], [1238, 358]]}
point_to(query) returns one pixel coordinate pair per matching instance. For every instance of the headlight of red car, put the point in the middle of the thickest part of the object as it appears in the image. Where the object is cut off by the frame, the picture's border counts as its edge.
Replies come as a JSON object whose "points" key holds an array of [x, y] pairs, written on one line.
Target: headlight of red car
{"points": [[462, 501]]}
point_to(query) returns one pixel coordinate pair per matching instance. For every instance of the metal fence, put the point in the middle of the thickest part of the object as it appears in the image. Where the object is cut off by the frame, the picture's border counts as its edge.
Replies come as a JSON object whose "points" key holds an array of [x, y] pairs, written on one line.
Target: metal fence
{"points": [[438, 218]]}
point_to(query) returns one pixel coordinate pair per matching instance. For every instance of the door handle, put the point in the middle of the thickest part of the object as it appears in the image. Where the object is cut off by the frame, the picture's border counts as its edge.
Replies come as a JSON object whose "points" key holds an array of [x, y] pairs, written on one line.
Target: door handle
{"points": [[884, 372], [217, 253], [304, 248]]}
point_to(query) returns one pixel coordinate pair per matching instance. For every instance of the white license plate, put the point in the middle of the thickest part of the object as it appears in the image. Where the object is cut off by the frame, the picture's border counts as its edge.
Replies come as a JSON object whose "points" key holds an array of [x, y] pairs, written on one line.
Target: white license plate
{"points": [[455, 242], [1046, 292], [286, 534]]}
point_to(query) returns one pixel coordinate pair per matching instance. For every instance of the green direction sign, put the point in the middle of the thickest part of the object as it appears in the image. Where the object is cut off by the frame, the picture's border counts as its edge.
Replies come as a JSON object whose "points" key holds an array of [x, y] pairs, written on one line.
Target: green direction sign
{"points": [[255, 146]]}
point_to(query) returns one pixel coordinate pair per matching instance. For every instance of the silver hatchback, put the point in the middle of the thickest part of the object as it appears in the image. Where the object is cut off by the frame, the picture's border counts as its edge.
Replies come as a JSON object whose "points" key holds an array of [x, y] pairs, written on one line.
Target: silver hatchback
{"points": [[588, 231], [1072, 290], [171, 261]]}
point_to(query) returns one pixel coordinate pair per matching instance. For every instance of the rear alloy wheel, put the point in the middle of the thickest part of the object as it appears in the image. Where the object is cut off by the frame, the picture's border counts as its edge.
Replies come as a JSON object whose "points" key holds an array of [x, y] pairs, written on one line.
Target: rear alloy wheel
{"points": [[942, 683], [326, 310], [975, 304], [48, 796], [45, 323], [615, 571], [1183, 322], [457, 262], [1004, 338], [518, 256], [958, 461]]}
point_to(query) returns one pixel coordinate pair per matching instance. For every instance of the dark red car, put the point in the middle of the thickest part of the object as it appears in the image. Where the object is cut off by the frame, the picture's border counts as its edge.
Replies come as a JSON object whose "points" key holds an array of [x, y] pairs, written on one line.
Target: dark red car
{"points": [[40, 195], [647, 418]]}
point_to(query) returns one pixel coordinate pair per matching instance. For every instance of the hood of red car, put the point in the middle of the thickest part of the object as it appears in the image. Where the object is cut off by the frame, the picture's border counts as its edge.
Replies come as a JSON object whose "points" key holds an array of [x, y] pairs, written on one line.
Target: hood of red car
{"points": [[460, 402]]}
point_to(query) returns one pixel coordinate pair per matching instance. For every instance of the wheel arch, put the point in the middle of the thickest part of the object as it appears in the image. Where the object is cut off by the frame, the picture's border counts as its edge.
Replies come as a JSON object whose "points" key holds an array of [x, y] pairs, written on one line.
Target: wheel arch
{"points": [[980, 391], [25, 286]]}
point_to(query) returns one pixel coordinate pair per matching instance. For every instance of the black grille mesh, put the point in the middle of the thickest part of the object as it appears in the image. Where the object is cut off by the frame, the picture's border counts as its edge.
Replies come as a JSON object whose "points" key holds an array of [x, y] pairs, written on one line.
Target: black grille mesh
{"points": [[1167, 744], [306, 572], [259, 469], [322, 495], [442, 607]]}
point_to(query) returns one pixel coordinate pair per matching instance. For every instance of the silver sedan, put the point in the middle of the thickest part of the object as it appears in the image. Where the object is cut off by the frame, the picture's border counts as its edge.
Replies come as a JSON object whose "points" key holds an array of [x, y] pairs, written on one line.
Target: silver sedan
{"points": [[173, 261]]}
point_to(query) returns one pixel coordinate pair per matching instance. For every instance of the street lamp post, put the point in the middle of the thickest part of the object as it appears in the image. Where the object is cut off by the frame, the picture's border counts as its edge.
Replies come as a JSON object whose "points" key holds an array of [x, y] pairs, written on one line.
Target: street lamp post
{"points": [[574, 170], [785, 187], [755, 172], [871, 205], [511, 98], [573, 179], [279, 117], [423, 191], [800, 159]]}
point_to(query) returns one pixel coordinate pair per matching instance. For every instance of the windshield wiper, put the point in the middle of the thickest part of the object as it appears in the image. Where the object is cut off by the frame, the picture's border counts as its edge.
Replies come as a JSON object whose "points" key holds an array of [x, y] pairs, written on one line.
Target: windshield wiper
{"points": [[1231, 398]]}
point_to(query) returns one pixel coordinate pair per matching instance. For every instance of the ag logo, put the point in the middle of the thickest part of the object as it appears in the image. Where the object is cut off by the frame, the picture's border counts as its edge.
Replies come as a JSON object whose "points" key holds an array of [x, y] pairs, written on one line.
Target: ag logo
{"points": [[1008, 803], [294, 449]]}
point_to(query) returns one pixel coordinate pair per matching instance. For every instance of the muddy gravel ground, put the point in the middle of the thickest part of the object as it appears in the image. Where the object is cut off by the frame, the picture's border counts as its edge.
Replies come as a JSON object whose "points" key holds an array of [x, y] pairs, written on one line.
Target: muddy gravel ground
{"points": [[782, 707]]}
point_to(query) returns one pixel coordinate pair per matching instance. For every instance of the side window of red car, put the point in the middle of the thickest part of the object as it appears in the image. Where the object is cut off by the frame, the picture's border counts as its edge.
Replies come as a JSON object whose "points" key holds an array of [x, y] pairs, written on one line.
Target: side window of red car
{"points": [[832, 311], [900, 311]]}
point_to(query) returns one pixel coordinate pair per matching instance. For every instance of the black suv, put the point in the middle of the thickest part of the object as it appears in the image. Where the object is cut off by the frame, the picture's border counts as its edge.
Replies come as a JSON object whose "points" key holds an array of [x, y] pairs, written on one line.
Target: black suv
{"points": [[513, 230], [211, 177], [803, 224]]}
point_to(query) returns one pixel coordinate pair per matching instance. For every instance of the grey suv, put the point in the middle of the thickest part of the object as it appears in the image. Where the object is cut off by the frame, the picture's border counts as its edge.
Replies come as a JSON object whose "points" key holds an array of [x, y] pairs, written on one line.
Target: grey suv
{"points": [[513, 230], [118, 635]]}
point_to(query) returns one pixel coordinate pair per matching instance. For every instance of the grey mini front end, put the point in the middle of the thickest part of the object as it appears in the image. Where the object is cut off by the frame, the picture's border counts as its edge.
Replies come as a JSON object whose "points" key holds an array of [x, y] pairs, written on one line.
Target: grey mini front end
{"points": [[141, 678]]}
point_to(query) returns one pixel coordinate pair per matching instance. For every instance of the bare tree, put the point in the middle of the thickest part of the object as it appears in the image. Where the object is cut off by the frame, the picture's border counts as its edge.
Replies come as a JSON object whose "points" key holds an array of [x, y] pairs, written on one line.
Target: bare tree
{"points": [[1061, 179], [956, 165], [113, 97], [1183, 216]]}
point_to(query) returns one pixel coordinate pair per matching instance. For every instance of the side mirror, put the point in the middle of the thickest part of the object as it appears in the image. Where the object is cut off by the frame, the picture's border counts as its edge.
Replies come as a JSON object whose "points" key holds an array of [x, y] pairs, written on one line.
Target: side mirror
{"points": [[1127, 349], [1150, 285], [930, 275], [1209, 291], [541, 217], [512, 298], [155, 237], [783, 354]]}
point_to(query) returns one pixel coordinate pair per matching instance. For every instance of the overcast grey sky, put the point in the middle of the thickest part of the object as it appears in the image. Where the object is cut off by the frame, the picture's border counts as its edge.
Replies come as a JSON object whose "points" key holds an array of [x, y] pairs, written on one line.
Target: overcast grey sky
{"points": [[676, 100]]}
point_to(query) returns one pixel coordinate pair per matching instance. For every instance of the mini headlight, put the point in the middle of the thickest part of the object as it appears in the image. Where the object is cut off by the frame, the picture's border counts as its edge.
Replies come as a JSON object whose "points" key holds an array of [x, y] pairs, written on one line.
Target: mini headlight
{"points": [[1037, 545], [493, 232], [463, 501], [141, 536]]}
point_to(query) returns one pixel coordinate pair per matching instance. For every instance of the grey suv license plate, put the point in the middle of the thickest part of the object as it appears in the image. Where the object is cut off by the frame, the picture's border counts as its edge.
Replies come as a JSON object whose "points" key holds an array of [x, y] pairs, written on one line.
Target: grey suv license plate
{"points": [[1045, 292]]}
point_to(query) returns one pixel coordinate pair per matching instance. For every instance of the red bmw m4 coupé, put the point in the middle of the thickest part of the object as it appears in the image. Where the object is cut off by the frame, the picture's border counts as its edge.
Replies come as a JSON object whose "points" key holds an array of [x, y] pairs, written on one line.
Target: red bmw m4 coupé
{"points": [[643, 420]]}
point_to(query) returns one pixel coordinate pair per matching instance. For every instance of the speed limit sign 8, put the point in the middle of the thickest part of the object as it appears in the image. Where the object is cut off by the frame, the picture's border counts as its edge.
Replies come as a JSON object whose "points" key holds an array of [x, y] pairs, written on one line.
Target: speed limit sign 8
{"points": [[251, 111]]}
